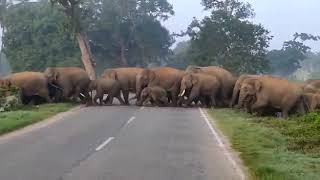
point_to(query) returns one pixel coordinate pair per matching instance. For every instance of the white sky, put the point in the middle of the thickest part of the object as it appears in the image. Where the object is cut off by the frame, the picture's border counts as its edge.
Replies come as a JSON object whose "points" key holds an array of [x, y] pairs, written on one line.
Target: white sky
{"points": [[282, 17]]}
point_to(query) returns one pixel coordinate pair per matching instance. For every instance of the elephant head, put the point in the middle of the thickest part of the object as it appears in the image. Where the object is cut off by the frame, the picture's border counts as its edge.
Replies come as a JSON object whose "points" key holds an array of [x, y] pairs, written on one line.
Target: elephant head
{"points": [[187, 82], [51, 75], [93, 85], [249, 88], [5, 83], [145, 93], [143, 79]]}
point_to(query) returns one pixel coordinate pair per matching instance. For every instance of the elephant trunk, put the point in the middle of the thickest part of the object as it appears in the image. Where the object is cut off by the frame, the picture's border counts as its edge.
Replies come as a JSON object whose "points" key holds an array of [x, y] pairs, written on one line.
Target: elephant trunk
{"points": [[242, 98]]}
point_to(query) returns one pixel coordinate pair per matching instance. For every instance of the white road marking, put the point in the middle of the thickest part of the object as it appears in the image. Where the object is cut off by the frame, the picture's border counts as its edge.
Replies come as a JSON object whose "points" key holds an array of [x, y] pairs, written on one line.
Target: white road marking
{"points": [[142, 108], [221, 145], [131, 119], [104, 144]]}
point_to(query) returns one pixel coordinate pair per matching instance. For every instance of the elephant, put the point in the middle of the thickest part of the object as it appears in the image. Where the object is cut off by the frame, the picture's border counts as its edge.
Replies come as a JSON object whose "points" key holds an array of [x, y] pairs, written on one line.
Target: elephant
{"points": [[312, 101], [72, 80], [165, 77], [106, 86], [31, 84], [273, 92], [225, 77], [236, 90], [200, 85], [155, 94], [312, 86], [126, 77]]}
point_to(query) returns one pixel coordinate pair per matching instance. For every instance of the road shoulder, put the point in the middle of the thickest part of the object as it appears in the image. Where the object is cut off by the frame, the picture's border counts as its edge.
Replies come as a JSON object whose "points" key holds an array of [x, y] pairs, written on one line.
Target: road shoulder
{"points": [[226, 145], [39, 122]]}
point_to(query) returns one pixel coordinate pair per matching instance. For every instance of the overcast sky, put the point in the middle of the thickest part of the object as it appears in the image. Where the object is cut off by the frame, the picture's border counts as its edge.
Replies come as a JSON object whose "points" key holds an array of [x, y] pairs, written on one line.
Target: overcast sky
{"points": [[282, 17]]}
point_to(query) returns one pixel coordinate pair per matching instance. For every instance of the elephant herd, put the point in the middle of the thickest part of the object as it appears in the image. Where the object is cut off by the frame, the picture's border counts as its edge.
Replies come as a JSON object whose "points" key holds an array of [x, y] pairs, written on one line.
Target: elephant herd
{"points": [[165, 86]]}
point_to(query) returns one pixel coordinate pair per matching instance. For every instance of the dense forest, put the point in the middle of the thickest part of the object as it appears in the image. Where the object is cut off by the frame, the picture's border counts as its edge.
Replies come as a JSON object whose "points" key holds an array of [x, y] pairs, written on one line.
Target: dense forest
{"points": [[38, 34]]}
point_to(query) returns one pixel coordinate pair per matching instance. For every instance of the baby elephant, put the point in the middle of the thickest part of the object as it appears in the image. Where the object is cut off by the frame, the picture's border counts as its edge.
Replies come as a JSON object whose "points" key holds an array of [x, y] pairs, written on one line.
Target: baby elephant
{"points": [[156, 95], [106, 86], [312, 101]]}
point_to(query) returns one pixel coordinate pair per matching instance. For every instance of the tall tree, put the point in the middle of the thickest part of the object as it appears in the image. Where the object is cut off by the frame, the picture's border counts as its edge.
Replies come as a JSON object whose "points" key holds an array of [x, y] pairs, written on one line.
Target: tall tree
{"points": [[228, 38], [131, 30], [78, 12], [34, 40]]}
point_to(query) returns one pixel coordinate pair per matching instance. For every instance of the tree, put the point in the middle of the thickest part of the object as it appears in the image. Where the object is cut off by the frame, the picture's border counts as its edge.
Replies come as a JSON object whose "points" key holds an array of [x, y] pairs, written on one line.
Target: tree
{"points": [[227, 38], [180, 55], [130, 31], [34, 40], [287, 60], [77, 12]]}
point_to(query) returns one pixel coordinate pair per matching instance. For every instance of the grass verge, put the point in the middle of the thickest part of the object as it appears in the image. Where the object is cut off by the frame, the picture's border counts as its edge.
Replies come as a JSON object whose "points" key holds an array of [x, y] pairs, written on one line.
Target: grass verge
{"points": [[272, 148], [17, 119]]}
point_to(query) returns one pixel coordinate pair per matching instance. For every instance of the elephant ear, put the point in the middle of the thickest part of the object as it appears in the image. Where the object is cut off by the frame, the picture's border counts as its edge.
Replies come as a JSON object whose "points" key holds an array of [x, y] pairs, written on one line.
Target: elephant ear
{"points": [[152, 76], [194, 79], [56, 76], [258, 85], [113, 75]]}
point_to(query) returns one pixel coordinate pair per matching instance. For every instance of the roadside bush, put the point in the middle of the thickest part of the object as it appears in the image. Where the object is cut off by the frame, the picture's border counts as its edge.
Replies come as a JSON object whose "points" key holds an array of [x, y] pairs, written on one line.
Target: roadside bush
{"points": [[9, 98]]}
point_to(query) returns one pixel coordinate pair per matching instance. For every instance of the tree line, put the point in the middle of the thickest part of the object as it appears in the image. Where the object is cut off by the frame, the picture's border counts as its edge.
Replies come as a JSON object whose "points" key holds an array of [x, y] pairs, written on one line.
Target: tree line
{"points": [[112, 33]]}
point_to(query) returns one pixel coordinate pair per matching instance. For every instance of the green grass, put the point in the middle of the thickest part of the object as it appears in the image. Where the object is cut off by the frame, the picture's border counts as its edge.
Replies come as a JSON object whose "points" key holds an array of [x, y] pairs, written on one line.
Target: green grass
{"points": [[13, 120], [273, 148]]}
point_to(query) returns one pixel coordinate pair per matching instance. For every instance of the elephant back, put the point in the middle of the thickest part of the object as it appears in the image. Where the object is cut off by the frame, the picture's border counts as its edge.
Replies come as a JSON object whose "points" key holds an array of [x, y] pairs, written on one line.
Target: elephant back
{"points": [[30, 82]]}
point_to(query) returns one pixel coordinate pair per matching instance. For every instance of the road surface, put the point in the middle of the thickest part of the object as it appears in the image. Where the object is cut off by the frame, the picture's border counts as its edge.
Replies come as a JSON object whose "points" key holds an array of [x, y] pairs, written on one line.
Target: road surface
{"points": [[118, 143]]}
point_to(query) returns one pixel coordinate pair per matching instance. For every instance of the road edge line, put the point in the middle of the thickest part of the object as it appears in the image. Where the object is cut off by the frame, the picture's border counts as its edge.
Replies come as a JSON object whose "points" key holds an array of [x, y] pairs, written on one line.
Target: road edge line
{"points": [[222, 145]]}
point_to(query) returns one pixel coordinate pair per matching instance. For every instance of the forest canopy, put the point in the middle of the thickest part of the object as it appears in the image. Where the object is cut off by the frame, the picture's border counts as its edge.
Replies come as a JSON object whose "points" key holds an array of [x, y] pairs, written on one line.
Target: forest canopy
{"points": [[38, 34]]}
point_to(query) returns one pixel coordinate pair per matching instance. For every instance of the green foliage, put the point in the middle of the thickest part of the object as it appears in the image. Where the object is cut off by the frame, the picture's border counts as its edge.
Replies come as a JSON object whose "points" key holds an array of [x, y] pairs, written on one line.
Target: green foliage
{"points": [[180, 55], [130, 32], [228, 39], [273, 148], [34, 40], [9, 98]]}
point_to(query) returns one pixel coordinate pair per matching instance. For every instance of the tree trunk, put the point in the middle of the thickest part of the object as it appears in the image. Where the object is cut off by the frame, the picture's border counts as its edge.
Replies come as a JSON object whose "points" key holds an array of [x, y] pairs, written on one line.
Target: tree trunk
{"points": [[123, 59], [87, 57]]}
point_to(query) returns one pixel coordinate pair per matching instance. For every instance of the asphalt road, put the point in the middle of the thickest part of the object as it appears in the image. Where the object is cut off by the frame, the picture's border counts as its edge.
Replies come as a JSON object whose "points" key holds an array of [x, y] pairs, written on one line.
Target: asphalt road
{"points": [[118, 143]]}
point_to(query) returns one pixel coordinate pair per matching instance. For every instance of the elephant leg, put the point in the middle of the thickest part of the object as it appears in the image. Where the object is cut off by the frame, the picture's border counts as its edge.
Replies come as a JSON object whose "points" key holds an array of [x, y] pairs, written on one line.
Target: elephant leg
{"points": [[174, 95], [76, 94], [101, 100], [120, 99], [164, 101], [125, 94], [94, 99], [193, 95], [45, 94], [149, 99], [109, 100], [213, 101]]}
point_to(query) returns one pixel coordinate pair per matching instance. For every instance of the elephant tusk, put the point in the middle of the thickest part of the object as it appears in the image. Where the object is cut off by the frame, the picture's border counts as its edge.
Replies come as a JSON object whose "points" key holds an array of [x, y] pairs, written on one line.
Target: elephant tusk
{"points": [[182, 93], [82, 95]]}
